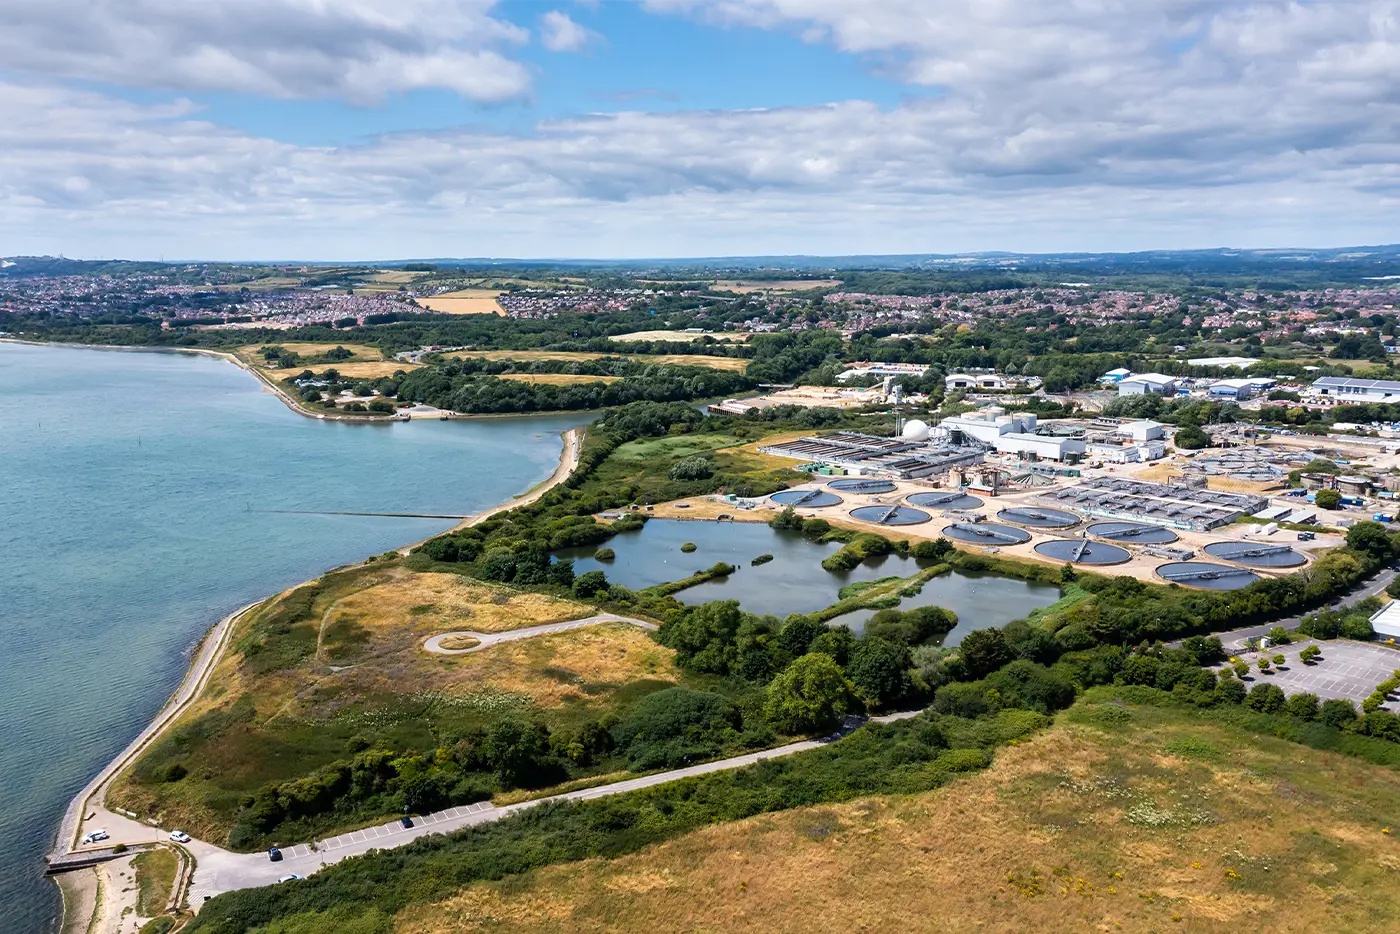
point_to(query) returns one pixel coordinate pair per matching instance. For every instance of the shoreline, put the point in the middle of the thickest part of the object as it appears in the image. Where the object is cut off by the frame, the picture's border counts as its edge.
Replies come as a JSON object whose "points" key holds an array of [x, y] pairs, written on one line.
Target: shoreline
{"points": [[89, 804], [291, 402]]}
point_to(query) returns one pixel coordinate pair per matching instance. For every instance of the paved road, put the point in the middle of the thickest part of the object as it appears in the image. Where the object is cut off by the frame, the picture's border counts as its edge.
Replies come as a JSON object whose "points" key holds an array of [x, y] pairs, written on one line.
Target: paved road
{"points": [[219, 870], [1235, 638], [486, 639]]}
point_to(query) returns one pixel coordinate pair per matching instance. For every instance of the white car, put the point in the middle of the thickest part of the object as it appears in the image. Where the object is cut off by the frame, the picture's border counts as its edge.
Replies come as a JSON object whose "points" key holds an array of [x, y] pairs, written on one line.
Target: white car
{"points": [[289, 878], [179, 836], [95, 836]]}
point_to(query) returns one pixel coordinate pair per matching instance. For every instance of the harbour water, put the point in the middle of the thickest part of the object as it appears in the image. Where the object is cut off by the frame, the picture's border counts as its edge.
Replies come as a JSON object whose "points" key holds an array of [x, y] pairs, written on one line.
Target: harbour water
{"points": [[138, 504]]}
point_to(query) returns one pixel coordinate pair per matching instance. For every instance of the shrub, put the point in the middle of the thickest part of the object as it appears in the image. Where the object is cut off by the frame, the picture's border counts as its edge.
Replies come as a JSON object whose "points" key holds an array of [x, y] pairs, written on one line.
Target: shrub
{"points": [[1337, 712], [857, 550], [590, 583], [668, 728], [604, 554], [1328, 499], [761, 559], [911, 627], [1309, 654], [983, 651], [1265, 698], [1279, 636], [691, 468], [1231, 691], [688, 547], [935, 550], [810, 694], [1303, 706]]}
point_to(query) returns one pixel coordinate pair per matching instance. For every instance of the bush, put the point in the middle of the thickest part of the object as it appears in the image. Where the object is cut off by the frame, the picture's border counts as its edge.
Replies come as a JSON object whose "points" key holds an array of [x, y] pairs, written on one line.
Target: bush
{"points": [[761, 559], [604, 554], [810, 694], [692, 468], [1303, 706], [1328, 499], [879, 669], [1266, 698], [688, 547], [669, 728], [935, 550], [590, 583], [911, 627], [1230, 691], [860, 548], [1279, 636], [1338, 713], [983, 651]]}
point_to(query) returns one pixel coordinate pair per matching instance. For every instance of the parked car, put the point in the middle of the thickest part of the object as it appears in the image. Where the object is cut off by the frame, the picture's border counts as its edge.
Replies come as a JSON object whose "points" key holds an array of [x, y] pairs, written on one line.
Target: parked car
{"points": [[274, 854], [179, 836], [94, 836], [289, 878], [407, 822]]}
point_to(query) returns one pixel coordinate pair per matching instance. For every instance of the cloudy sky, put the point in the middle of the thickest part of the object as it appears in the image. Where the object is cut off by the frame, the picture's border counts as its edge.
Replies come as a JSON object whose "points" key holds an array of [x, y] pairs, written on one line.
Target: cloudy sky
{"points": [[376, 129]]}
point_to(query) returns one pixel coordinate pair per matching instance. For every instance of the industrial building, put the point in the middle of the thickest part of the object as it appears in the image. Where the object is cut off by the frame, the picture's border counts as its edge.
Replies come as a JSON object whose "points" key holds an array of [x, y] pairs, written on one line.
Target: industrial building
{"points": [[1167, 504], [904, 458], [1357, 390], [1238, 390], [1140, 384], [982, 381], [1013, 434], [1223, 362], [1116, 376], [882, 370]]}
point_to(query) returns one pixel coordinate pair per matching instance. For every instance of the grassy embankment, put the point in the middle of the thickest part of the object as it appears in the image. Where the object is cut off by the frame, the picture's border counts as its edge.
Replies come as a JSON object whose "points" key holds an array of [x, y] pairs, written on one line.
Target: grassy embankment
{"points": [[155, 880], [1124, 816], [336, 666]]}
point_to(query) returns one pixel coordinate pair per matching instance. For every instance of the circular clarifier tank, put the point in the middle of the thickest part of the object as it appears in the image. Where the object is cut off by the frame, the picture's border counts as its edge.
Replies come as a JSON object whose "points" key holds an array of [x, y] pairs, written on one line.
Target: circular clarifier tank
{"points": [[890, 515], [811, 499], [1207, 576], [1037, 517], [1082, 551], [946, 499], [1139, 533], [857, 485], [1255, 554], [986, 533]]}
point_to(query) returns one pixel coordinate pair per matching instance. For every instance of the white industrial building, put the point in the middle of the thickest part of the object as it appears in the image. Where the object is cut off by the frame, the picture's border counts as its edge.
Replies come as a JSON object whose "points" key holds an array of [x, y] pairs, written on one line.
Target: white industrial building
{"points": [[1040, 447], [1140, 384], [1141, 430], [1222, 362], [1357, 390], [990, 424], [985, 381], [1386, 621], [882, 370]]}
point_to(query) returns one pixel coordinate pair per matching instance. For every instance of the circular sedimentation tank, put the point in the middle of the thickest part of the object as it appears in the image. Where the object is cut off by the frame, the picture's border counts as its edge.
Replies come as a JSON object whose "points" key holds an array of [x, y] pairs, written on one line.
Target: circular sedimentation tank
{"points": [[1133, 532], [946, 499], [1205, 575], [1082, 551], [1038, 517], [890, 515], [811, 499], [986, 533], [857, 485], [1255, 554]]}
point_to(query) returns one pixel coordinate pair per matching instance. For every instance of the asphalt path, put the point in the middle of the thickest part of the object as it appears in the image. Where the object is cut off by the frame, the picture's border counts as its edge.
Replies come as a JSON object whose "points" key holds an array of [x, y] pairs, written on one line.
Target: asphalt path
{"points": [[485, 639], [1235, 638]]}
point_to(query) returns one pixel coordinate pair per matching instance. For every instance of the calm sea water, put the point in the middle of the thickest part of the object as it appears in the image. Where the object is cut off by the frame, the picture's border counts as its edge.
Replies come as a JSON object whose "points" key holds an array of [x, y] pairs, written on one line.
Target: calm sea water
{"points": [[136, 498]]}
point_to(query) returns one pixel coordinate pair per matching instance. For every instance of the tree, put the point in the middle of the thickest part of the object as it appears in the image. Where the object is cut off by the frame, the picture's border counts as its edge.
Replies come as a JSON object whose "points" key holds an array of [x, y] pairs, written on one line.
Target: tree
{"points": [[1279, 636], [691, 468], [1309, 654], [1368, 537], [1280, 660], [1265, 698], [936, 550], [810, 694], [798, 634], [983, 651], [1303, 706], [879, 669], [1328, 499], [1241, 667], [1230, 691], [590, 583], [1263, 664], [1338, 713], [838, 642], [516, 751], [1191, 438]]}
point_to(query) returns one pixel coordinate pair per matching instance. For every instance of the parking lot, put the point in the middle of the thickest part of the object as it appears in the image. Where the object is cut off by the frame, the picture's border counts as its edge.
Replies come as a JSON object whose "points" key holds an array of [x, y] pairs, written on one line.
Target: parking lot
{"points": [[1348, 670]]}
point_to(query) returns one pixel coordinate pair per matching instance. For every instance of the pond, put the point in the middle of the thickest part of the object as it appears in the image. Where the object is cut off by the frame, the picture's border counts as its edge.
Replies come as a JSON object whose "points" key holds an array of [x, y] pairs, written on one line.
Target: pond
{"points": [[794, 581]]}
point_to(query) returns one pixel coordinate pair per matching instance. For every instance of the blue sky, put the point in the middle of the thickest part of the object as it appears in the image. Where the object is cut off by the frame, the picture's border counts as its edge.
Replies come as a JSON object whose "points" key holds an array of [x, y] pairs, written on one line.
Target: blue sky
{"points": [[384, 128]]}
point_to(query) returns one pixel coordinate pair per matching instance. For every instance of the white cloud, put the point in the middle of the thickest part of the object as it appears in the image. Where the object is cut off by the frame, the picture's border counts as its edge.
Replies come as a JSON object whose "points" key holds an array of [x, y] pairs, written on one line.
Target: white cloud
{"points": [[560, 33], [86, 174], [360, 50], [1100, 124]]}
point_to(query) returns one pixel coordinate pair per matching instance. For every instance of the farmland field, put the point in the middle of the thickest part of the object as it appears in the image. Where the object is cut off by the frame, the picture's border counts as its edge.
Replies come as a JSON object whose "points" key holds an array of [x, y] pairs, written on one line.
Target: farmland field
{"points": [[465, 302], [558, 379], [735, 364], [368, 370]]}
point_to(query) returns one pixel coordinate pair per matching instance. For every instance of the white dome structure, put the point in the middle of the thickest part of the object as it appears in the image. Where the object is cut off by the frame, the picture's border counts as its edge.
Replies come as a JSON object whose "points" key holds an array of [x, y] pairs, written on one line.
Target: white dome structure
{"points": [[915, 430]]}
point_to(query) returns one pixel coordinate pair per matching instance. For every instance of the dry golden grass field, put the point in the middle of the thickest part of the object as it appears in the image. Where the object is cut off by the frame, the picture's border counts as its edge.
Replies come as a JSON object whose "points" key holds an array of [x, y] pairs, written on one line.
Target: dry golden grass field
{"points": [[409, 600], [367, 370], [734, 364], [558, 379], [465, 302], [362, 352], [1119, 818], [781, 285], [678, 336]]}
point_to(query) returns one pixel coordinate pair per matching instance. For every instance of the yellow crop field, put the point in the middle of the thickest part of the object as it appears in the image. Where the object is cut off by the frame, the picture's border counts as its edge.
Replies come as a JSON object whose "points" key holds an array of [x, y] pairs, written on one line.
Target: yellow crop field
{"points": [[362, 352], [735, 364]]}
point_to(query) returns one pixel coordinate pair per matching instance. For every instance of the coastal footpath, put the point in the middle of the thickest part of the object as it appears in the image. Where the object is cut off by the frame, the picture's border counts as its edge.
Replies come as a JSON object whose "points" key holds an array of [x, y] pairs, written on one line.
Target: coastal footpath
{"points": [[88, 904]]}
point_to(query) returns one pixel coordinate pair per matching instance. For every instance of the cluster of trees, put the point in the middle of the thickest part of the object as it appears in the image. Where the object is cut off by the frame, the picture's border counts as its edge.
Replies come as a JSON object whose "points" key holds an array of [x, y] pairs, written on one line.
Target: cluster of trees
{"points": [[458, 386]]}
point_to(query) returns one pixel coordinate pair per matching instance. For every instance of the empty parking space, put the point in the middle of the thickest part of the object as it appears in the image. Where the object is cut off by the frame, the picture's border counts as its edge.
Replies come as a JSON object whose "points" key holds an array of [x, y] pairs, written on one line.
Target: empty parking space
{"points": [[1345, 670]]}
